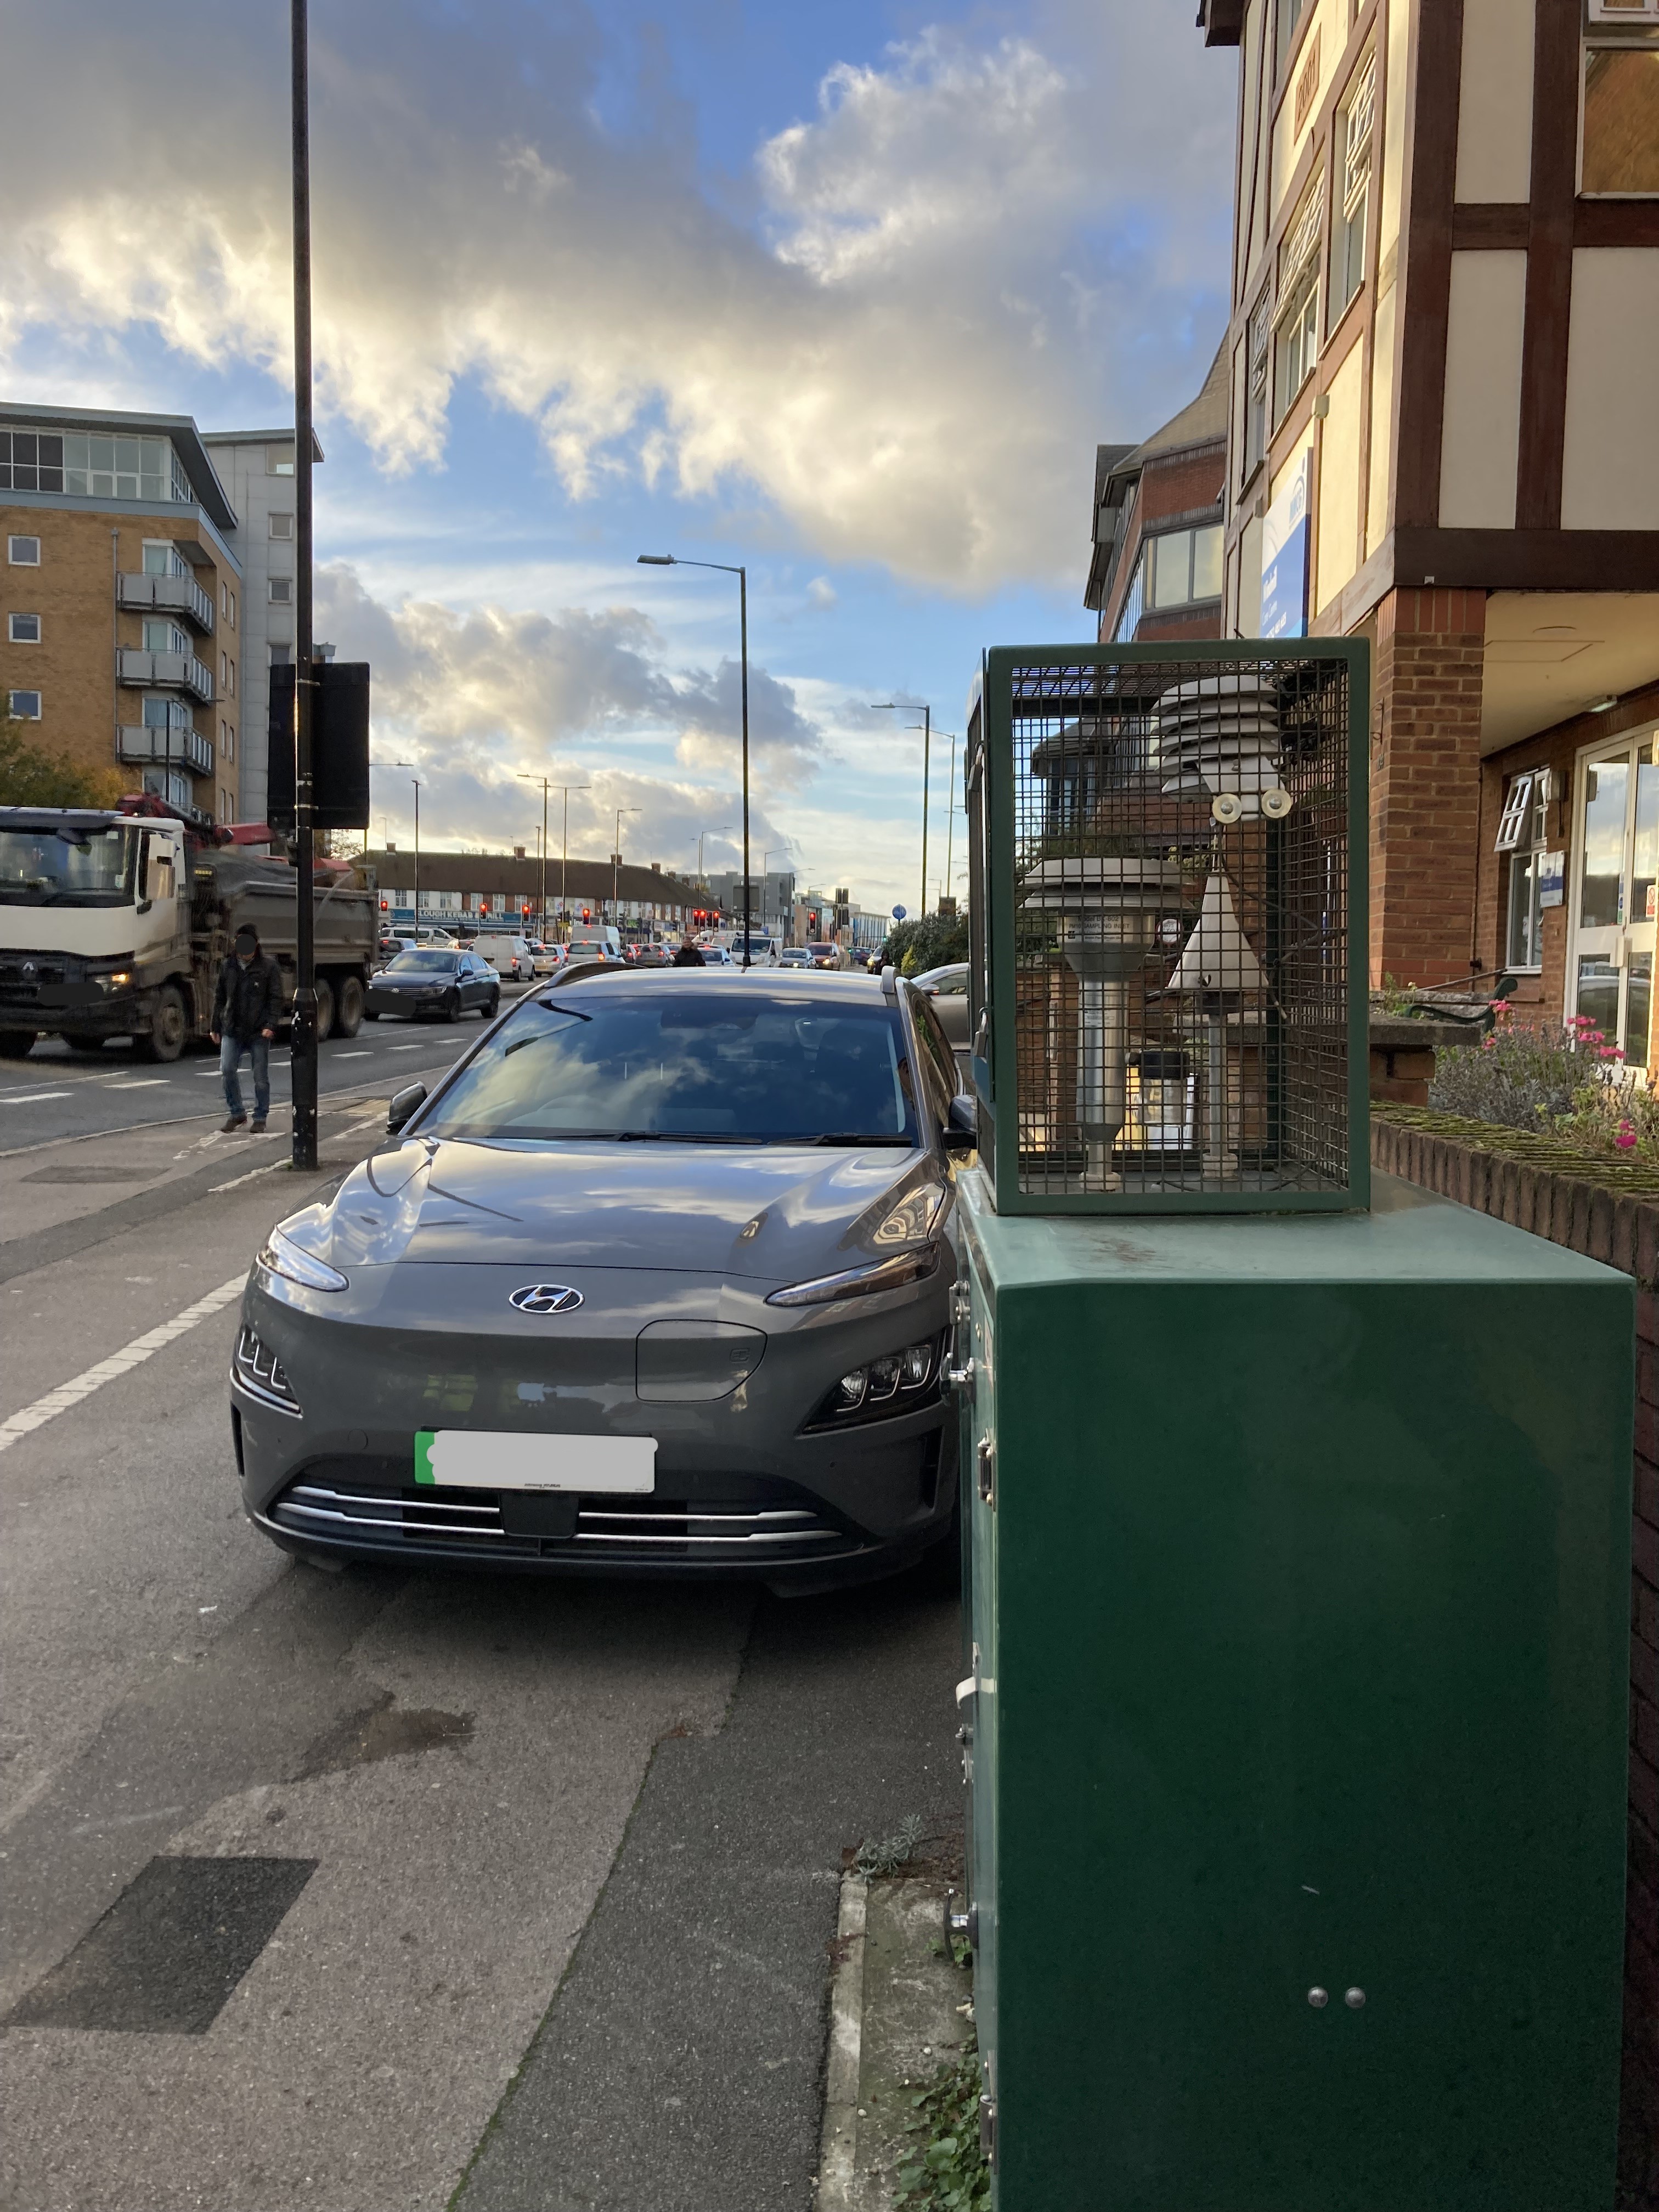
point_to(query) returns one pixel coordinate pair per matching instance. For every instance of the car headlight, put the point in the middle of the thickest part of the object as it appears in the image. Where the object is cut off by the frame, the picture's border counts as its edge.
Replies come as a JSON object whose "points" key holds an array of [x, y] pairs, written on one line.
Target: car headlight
{"points": [[281, 1255], [262, 1374], [861, 1282], [896, 1383], [911, 1221]]}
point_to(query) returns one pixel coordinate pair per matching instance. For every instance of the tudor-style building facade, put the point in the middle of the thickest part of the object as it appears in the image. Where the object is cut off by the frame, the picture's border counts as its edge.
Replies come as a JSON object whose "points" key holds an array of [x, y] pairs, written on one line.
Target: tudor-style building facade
{"points": [[1441, 434]]}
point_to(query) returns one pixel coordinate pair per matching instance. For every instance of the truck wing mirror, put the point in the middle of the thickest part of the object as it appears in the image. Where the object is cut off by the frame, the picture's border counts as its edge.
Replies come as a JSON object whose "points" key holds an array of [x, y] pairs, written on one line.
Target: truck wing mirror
{"points": [[403, 1106]]}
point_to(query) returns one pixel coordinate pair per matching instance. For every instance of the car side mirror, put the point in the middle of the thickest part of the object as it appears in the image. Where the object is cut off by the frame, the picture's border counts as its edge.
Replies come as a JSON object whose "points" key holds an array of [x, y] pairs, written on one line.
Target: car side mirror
{"points": [[403, 1106], [961, 1130]]}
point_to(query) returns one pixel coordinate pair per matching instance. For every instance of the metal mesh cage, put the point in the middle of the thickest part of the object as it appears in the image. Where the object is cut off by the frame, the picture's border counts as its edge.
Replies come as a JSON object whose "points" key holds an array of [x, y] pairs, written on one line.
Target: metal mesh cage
{"points": [[1166, 855]]}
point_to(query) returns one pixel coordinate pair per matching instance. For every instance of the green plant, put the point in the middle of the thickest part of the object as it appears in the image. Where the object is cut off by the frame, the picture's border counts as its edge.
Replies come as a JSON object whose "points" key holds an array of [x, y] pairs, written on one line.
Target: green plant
{"points": [[947, 2171], [30, 776], [930, 941], [888, 1855], [1394, 997]]}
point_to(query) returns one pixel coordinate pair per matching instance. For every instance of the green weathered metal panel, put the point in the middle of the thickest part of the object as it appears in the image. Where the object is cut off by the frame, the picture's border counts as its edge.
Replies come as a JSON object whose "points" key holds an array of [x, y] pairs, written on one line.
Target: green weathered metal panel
{"points": [[1302, 1610]]}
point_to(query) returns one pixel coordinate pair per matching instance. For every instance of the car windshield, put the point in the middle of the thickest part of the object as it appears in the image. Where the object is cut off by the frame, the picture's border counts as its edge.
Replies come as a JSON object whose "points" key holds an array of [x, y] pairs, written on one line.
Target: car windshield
{"points": [[422, 963], [70, 865], [691, 1066]]}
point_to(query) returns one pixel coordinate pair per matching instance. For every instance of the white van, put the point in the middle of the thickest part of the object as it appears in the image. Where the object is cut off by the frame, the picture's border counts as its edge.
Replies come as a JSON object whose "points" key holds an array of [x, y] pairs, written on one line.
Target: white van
{"points": [[507, 955]]}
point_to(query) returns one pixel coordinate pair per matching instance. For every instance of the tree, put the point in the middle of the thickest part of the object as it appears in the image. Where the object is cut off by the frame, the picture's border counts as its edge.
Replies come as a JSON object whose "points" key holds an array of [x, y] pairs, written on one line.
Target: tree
{"points": [[931, 941], [31, 776]]}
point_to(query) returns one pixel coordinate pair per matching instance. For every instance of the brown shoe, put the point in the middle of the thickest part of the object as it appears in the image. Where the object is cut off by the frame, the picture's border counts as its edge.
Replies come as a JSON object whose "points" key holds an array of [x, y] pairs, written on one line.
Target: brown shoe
{"points": [[258, 1130], [235, 1121]]}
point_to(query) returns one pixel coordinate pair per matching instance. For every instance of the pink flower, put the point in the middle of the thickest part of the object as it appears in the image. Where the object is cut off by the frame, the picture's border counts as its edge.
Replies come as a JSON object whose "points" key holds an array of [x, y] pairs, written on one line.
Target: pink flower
{"points": [[1626, 1138]]}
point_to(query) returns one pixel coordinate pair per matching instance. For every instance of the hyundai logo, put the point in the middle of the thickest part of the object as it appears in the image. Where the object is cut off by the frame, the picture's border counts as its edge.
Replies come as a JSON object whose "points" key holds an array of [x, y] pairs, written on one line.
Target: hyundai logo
{"points": [[546, 1299]]}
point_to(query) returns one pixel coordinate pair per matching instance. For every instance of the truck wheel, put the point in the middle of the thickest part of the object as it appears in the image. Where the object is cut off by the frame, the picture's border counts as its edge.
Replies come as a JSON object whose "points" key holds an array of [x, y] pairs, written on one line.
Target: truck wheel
{"points": [[324, 1009], [167, 1026], [349, 1007], [16, 1044]]}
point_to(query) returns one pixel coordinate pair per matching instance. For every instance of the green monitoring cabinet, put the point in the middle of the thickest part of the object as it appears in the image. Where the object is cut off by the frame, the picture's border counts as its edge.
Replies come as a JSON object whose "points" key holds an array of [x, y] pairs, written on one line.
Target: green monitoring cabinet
{"points": [[1295, 1727], [1298, 1511]]}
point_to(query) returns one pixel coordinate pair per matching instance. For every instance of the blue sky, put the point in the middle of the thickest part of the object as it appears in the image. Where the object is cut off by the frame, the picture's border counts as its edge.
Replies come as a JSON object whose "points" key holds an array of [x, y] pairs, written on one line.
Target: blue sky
{"points": [[846, 293]]}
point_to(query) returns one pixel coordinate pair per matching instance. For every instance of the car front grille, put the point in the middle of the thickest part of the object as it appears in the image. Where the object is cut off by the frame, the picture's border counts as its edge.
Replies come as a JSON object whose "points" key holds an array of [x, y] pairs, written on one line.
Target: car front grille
{"points": [[342, 1510]]}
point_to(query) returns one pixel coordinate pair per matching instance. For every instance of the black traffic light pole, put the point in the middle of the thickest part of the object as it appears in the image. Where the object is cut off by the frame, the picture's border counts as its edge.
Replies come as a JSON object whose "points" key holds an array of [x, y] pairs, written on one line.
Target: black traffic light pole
{"points": [[303, 1050]]}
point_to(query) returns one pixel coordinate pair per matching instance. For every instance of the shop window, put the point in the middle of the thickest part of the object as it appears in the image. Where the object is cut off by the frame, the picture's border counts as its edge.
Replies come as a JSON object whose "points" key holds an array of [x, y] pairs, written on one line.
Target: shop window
{"points": [[1521, 834], [1621, 120]]}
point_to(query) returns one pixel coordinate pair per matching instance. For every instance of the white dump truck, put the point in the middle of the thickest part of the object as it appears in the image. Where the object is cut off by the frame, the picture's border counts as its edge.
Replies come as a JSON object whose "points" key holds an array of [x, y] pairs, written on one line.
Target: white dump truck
{"points": [[113, 922]]}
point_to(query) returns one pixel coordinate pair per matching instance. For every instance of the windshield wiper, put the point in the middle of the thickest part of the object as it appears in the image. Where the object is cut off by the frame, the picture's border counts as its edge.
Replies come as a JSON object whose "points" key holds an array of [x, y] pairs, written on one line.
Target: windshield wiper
{"points": [[849, 1137]]}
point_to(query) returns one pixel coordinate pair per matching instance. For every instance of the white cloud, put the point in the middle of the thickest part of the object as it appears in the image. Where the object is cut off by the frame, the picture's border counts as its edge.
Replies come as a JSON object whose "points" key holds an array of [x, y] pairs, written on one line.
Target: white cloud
{"points": [[973, 261]]}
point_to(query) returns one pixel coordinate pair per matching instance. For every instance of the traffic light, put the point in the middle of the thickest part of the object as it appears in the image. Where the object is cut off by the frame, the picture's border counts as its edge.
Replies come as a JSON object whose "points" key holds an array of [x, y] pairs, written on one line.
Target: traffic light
{"points": [[587, 914]]}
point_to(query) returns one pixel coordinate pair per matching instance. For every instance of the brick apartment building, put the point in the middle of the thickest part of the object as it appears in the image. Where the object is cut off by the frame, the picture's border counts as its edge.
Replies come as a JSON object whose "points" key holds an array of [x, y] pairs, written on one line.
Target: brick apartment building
{"points": [[138, 621], [501, 890], [1155, 570], [1445, 315]]}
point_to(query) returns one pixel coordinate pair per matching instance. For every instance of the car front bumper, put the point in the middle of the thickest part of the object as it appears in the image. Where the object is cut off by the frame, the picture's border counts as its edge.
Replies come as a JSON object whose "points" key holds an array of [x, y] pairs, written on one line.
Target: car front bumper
{"points": [[745, 1484]]}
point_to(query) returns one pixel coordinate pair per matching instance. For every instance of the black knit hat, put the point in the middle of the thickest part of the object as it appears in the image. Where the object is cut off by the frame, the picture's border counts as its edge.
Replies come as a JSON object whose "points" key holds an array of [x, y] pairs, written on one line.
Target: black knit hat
{"points": [[247, 940]]}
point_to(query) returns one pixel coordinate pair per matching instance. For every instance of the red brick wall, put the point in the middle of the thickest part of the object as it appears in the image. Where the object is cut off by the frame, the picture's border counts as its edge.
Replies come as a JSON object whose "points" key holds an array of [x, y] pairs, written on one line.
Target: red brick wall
{"points": [[1622, 1233], [1425, 784]]}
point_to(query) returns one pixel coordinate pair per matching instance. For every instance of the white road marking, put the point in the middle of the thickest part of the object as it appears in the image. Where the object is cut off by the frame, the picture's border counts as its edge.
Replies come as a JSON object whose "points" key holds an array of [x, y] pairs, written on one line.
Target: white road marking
{"points": [[363, 1054], [118, 1363], [29, 1097], [140, 1082], [405, 1048]]}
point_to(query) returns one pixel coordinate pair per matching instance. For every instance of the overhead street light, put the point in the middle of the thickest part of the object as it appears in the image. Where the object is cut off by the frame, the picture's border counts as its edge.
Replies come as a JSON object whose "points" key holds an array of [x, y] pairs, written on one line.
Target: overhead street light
{"points": [[415, 780], [725, 568], [615, 860], [547, 785], [925, 726]]}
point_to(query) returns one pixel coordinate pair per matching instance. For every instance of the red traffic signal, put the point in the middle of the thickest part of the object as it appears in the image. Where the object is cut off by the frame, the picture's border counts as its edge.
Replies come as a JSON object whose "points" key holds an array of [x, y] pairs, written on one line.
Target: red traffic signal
{"points": [[587, 914]]}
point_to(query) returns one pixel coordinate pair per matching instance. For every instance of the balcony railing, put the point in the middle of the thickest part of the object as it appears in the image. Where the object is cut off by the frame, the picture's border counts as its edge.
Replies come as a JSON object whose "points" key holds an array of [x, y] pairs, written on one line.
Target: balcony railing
{"points": [[179, 671], [172, 595], [176, 748]]}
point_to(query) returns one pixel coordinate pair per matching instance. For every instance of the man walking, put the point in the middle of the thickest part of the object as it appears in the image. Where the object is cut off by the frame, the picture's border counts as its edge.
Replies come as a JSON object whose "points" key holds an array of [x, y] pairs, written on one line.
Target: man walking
{"points": [[245, 1006], [688, 955]]}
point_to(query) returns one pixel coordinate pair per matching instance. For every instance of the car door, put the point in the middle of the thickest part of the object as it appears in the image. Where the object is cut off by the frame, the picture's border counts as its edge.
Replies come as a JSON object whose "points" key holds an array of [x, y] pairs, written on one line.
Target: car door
{"points": [[474, 990]]}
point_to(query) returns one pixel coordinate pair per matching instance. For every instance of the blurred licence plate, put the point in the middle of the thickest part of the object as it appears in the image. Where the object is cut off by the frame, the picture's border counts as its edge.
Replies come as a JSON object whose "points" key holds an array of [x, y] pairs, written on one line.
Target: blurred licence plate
{"points": [[490, 1459]]}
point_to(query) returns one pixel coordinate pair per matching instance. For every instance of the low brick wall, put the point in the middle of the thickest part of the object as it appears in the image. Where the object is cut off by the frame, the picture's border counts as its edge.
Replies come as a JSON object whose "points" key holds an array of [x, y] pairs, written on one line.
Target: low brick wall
{"points": [[1620, 1229]]}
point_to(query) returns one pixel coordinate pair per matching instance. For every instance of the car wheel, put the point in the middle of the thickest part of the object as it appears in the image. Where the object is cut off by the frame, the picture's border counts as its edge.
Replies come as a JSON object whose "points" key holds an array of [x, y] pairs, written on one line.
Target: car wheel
{"points": [[492, 1007], [16, 1044], [452, 1007], [349, 1010], [166, 1040]]}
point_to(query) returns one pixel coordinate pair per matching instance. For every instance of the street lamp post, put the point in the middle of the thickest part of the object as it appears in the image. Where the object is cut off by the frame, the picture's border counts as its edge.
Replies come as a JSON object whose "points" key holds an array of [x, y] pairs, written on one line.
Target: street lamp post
{"points": [[616, 862], [725, 568], [894, 706], [302, 1045], [415, 780]]}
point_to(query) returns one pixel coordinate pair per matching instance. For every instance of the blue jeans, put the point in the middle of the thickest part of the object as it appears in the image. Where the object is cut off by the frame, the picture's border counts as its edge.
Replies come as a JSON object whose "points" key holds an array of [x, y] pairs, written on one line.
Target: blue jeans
{"points": [[230, 1056]]}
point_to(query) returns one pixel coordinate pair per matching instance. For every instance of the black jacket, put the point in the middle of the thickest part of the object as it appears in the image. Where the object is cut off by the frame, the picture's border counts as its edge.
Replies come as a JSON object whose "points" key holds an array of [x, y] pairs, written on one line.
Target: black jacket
{"points": [[248, 1000], [688, 956]]}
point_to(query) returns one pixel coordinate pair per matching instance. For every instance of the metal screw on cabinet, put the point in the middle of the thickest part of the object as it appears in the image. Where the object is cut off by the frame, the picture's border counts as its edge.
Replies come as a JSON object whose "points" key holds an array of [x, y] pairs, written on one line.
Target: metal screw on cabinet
{"points": [[1318, 1998], [1353, 1999]]}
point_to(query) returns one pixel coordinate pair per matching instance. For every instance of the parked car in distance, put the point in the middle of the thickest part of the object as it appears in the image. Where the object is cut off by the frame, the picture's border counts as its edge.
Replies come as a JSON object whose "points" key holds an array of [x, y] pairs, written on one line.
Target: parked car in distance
{"points": [[758, 1390], [947, 987], [444, 982], [507, 955]]}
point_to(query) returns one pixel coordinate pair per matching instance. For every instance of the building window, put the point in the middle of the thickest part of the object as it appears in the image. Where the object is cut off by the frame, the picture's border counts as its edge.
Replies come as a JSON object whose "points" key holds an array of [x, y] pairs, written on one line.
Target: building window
{"points": [[230, 678], [31, 460], [1296, 342], [1186, 567], [23, 630], [281, 655], [281, 525], [23, 552], [1521, 834], [97, 467], [279, 460], [26, 705], [1354, 136], [227, 741], [1255, 386], [1134, 603], [163, 636], [163, 713], [1287, 15], [282, 591], [161, 557], [1620, 152]]}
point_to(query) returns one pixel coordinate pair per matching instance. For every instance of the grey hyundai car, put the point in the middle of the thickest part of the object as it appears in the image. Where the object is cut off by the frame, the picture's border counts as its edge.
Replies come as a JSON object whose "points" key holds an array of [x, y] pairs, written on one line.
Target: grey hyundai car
{"points": [[658, 1279]]}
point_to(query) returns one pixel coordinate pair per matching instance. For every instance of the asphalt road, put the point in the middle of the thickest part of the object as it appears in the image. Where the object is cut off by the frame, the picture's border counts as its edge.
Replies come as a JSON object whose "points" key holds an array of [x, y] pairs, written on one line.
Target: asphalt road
{"points": [[60, 1091], [350, 1890]]}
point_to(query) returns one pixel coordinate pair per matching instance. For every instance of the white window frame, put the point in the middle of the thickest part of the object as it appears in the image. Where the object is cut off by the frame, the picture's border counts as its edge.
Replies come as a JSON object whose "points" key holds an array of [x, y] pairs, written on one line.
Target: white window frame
{"points": [[282, 591], [12, 636], [1356, 141], [284, 536], [16, 559], [24, 713], [275, 465], [179, 641]]}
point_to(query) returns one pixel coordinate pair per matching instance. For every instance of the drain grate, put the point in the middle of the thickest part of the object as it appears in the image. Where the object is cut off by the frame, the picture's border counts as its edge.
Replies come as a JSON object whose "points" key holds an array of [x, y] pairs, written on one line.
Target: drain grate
{"points": [[167, 1953]]}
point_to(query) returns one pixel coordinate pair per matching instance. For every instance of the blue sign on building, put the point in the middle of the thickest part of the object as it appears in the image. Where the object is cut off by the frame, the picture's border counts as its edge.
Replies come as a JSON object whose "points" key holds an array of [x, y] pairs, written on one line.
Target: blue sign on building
{"points": [[1285, 534]]}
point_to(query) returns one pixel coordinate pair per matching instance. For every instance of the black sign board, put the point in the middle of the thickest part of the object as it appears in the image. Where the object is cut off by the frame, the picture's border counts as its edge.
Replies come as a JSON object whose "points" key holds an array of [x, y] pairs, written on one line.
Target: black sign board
{"points": [[339, 748]]}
